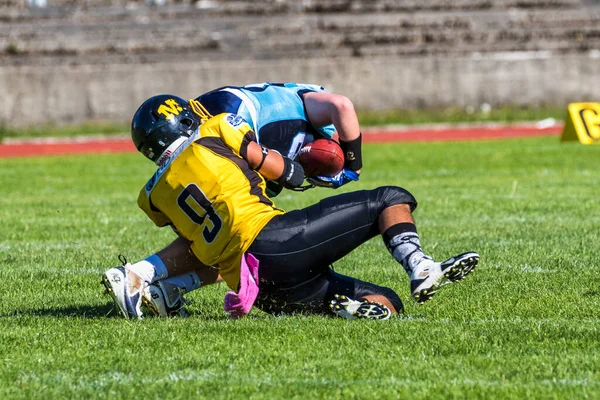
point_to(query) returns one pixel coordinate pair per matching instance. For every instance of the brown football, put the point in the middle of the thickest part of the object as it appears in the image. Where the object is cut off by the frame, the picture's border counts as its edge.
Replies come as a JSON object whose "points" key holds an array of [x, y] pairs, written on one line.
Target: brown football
{"points": [[321, 157]]}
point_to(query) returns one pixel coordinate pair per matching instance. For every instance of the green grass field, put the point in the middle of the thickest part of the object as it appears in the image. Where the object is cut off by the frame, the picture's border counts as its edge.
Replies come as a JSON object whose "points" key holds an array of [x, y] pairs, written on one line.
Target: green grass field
{"points": [[525, 324]]}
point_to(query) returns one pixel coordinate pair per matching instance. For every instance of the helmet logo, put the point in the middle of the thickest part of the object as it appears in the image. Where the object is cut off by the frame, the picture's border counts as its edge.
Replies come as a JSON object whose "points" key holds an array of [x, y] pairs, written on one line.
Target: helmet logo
{"points": [[170, 109], [149, 153]]}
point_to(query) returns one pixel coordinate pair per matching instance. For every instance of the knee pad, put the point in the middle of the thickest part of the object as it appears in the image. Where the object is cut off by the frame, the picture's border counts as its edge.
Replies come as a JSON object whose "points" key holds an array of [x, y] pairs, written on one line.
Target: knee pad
{"points": [[386, 196]]}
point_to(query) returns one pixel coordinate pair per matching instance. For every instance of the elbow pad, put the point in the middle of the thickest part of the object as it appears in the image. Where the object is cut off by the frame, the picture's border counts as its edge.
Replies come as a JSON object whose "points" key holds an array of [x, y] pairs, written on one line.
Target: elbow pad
{"points": [[293, 174]]}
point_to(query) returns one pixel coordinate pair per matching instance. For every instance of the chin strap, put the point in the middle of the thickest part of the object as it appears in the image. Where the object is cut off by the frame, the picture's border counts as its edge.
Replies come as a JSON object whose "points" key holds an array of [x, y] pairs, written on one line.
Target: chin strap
{"points": [[303, 187], [199, 110]]}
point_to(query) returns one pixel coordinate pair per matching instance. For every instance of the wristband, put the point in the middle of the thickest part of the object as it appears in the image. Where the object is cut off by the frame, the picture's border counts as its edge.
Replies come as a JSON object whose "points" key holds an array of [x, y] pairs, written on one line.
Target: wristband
{"points": [[352, 153], [293, 174]]}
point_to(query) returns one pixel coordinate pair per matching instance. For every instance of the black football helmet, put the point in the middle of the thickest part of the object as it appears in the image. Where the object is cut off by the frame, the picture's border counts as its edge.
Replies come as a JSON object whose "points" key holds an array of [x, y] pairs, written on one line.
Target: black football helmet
{"points": [[159, 123]]}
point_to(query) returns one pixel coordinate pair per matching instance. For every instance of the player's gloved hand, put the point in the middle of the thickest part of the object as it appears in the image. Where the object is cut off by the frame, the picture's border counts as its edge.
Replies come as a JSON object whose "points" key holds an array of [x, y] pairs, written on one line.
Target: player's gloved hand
{"points": [[345, 176], [293, 174]]}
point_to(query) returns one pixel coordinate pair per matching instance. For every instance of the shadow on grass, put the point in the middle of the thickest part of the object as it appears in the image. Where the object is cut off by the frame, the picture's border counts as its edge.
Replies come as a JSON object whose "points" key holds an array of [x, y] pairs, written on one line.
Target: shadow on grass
{"points": [[108, 311], [101, 311], [79, 311]]}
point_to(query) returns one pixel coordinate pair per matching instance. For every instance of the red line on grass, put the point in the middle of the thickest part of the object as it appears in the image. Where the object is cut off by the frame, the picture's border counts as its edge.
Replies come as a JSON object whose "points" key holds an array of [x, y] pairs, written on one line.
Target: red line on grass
{"points": [[124, 145]]}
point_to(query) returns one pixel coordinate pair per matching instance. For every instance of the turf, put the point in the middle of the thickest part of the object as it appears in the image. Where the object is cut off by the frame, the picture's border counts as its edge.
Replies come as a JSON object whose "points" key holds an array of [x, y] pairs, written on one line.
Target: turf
{"points": [[524, 325]]}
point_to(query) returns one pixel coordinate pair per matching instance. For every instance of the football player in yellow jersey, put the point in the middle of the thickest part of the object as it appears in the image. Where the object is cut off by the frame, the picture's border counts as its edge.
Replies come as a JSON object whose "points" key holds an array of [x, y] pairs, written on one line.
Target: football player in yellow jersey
{"points": [[210, 187], [212, 196], [285, 116]]}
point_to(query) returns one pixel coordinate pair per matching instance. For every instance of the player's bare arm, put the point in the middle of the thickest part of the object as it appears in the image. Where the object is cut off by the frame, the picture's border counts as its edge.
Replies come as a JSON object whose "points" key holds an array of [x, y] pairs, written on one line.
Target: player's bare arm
{"points": [[272, 162], [328, 108], [272, 165]]}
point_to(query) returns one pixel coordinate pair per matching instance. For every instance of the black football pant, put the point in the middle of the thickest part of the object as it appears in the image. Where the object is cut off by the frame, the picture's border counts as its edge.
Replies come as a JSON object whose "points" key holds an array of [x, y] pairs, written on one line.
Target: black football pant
{"points": [[296, 251]]}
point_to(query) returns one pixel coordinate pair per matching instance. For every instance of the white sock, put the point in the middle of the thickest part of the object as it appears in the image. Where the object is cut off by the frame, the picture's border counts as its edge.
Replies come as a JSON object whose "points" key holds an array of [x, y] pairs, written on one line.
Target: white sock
{"points": [[151, 269], [188, 282]]}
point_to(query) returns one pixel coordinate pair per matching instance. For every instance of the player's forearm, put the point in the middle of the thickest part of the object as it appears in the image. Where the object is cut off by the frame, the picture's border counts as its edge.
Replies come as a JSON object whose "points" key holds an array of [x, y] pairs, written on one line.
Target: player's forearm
{"points": [[269, 165], [345, 121], [327, 108], [272, 165]]}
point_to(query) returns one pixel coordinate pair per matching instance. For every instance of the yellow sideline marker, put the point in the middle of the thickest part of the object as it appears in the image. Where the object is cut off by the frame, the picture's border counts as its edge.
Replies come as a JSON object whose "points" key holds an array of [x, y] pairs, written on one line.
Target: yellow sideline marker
{"points": [[582, 123]]}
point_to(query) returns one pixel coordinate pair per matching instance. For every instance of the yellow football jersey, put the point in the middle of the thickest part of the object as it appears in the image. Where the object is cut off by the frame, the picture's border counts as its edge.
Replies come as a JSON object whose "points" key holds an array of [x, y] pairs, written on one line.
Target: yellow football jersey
{"points": [[207, 191]]}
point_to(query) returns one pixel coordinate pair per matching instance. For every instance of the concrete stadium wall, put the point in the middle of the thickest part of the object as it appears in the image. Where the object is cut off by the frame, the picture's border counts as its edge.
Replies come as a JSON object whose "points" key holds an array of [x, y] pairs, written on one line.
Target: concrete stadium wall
{"points": [[78, 93], [99, 59]]}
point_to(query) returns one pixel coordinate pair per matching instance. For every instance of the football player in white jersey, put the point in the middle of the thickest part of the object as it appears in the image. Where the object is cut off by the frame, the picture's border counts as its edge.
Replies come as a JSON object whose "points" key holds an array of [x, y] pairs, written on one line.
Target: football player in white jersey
{"points": [[287, 116]]}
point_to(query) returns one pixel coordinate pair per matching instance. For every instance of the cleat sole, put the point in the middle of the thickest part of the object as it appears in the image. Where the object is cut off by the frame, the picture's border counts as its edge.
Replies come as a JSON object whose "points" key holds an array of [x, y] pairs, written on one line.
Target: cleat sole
{"points": [[108, 290], [150, 306], [359, 309], [454, 273]]}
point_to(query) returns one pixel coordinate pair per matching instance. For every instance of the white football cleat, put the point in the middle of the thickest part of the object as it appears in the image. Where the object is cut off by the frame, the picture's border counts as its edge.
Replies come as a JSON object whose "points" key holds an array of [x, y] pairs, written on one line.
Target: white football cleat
{"points": [[428, 276], [164, 299], [345, 307], [126, 288]]}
